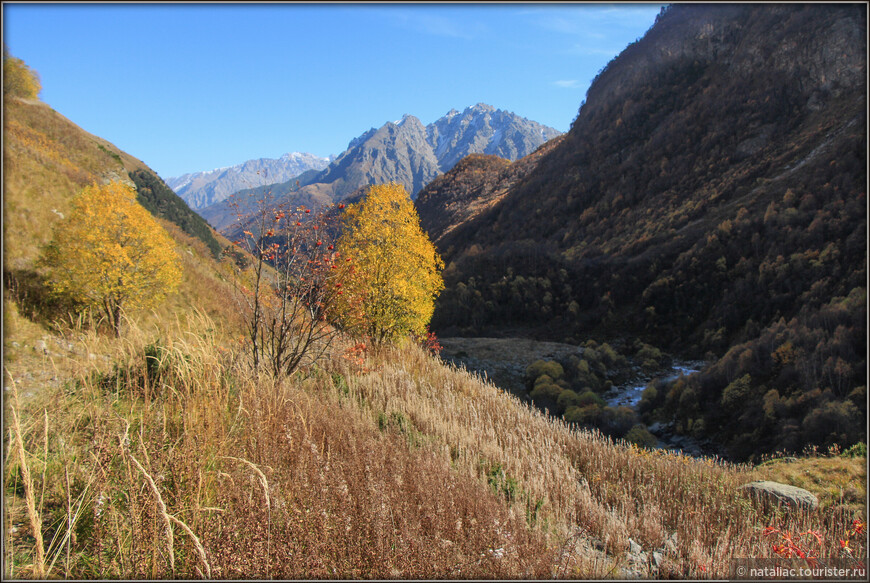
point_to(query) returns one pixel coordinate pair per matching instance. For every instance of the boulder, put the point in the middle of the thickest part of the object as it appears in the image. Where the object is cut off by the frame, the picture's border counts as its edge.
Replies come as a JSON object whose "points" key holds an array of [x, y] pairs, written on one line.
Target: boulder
{"points": [[775, 494]]}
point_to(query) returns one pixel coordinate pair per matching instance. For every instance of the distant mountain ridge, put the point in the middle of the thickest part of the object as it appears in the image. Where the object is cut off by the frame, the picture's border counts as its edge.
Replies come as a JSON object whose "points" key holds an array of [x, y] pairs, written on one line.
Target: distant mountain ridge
{"points": [[407, 152], [200, 189], [483, 129]]}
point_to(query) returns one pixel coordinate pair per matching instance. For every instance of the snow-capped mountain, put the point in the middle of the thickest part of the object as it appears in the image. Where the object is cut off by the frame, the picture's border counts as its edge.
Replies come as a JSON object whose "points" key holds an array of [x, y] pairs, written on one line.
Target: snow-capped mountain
{"points": [[200, 189]]}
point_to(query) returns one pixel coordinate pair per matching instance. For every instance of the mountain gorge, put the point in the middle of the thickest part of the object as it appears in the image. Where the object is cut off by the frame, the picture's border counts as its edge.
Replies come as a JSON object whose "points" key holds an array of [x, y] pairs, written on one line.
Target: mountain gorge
{"points": [[406, 152], [166, 449], [710, 199]]}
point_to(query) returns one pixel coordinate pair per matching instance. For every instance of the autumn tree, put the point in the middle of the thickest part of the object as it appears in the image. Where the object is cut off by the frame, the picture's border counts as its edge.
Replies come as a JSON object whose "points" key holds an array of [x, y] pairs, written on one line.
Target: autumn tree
{"points": [[110, 254], [19, 80], [288, 290], [398, 271]]}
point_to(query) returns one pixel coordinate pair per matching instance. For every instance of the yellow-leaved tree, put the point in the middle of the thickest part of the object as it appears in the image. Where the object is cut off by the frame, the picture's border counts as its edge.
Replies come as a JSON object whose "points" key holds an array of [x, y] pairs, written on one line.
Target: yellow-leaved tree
{"points": [[110, 254], [19, 80], [397, 271]]}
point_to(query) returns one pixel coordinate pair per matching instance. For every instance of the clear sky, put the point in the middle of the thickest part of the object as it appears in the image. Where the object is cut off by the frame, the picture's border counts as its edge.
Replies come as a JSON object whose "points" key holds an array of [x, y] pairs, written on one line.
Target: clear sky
{"points": [[199, 86]]}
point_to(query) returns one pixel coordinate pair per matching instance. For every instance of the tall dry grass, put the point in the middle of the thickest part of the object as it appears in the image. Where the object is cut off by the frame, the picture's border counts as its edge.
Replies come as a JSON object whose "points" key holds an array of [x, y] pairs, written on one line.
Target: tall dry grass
{"points": [[189, 466], [579, 485], [172, 459]]}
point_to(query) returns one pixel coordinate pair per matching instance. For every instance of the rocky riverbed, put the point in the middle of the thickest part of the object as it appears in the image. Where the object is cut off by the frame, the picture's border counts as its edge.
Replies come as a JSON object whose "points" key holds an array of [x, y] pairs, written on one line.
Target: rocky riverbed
{"points": [[629, 394]]}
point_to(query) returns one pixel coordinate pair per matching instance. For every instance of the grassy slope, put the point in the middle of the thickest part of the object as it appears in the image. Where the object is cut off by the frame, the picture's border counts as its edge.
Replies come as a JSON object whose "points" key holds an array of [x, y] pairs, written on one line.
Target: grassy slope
{"points": [[390, 466], [47, 159]]}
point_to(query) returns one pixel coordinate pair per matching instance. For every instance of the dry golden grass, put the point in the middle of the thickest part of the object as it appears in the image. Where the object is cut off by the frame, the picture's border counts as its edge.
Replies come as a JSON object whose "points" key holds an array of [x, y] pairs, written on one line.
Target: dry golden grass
{"points": [[609, 491], [171, 459], [839, 482], [190, 440]]}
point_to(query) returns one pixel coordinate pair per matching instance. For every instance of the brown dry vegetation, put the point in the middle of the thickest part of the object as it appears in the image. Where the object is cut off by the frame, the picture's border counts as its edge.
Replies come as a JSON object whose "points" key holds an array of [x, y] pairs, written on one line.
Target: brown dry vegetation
{"points": [[173, 460]]}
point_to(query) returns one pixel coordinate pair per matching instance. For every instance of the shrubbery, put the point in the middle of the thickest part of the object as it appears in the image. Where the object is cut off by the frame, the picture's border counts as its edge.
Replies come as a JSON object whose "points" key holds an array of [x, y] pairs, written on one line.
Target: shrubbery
{"points": [[161, 201], [572, 389], [19, 80]]}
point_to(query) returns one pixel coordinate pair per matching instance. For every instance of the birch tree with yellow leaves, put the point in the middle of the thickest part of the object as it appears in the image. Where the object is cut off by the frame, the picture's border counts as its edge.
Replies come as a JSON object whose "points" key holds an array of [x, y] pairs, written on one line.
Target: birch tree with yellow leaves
{"points": [[397, 269], [110, 254]]}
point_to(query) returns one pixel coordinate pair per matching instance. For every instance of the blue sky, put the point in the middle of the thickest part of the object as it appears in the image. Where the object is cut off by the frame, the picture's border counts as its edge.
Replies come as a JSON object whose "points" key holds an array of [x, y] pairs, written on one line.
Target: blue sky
{"points": [[200, 86]]}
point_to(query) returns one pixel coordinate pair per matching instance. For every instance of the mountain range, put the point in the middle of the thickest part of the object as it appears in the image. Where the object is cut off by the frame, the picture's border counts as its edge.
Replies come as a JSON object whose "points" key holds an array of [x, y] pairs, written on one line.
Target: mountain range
{"points": [[200, 189], [407, 152]]}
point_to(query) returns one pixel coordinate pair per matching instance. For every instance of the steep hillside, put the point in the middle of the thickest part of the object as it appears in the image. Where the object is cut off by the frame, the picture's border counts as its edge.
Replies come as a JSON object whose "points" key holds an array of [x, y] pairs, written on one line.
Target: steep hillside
{"points": [[47, 160], [712, 186], [473, 185], [162, 202], [406, 152], [200, 189]]}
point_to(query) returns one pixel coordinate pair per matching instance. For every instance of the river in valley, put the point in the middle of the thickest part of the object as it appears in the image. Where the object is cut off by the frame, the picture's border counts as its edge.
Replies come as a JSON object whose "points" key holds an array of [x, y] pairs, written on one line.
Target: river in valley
{"points": [[629, 395], [504, 360]]}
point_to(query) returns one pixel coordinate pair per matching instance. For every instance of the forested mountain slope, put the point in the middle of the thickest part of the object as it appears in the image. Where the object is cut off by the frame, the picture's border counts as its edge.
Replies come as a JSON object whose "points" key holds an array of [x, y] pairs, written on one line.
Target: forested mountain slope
{"points": [[710, 193], [473, 185]]}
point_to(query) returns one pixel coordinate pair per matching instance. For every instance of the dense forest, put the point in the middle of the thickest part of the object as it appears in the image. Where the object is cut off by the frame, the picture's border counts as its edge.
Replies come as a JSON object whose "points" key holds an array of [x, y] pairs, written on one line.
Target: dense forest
{"points": [[709, 200]]}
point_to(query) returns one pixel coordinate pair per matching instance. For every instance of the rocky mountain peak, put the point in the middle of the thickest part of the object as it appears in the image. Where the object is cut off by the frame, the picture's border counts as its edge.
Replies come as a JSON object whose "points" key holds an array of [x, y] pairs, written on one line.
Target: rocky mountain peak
{"points": [[410, 121], [481, 108], [407, 152]]}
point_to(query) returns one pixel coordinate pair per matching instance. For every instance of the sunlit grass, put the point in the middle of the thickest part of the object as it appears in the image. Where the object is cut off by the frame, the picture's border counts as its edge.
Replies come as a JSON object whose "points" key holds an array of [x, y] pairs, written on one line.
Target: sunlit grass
{"points": [[380, 464]]}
